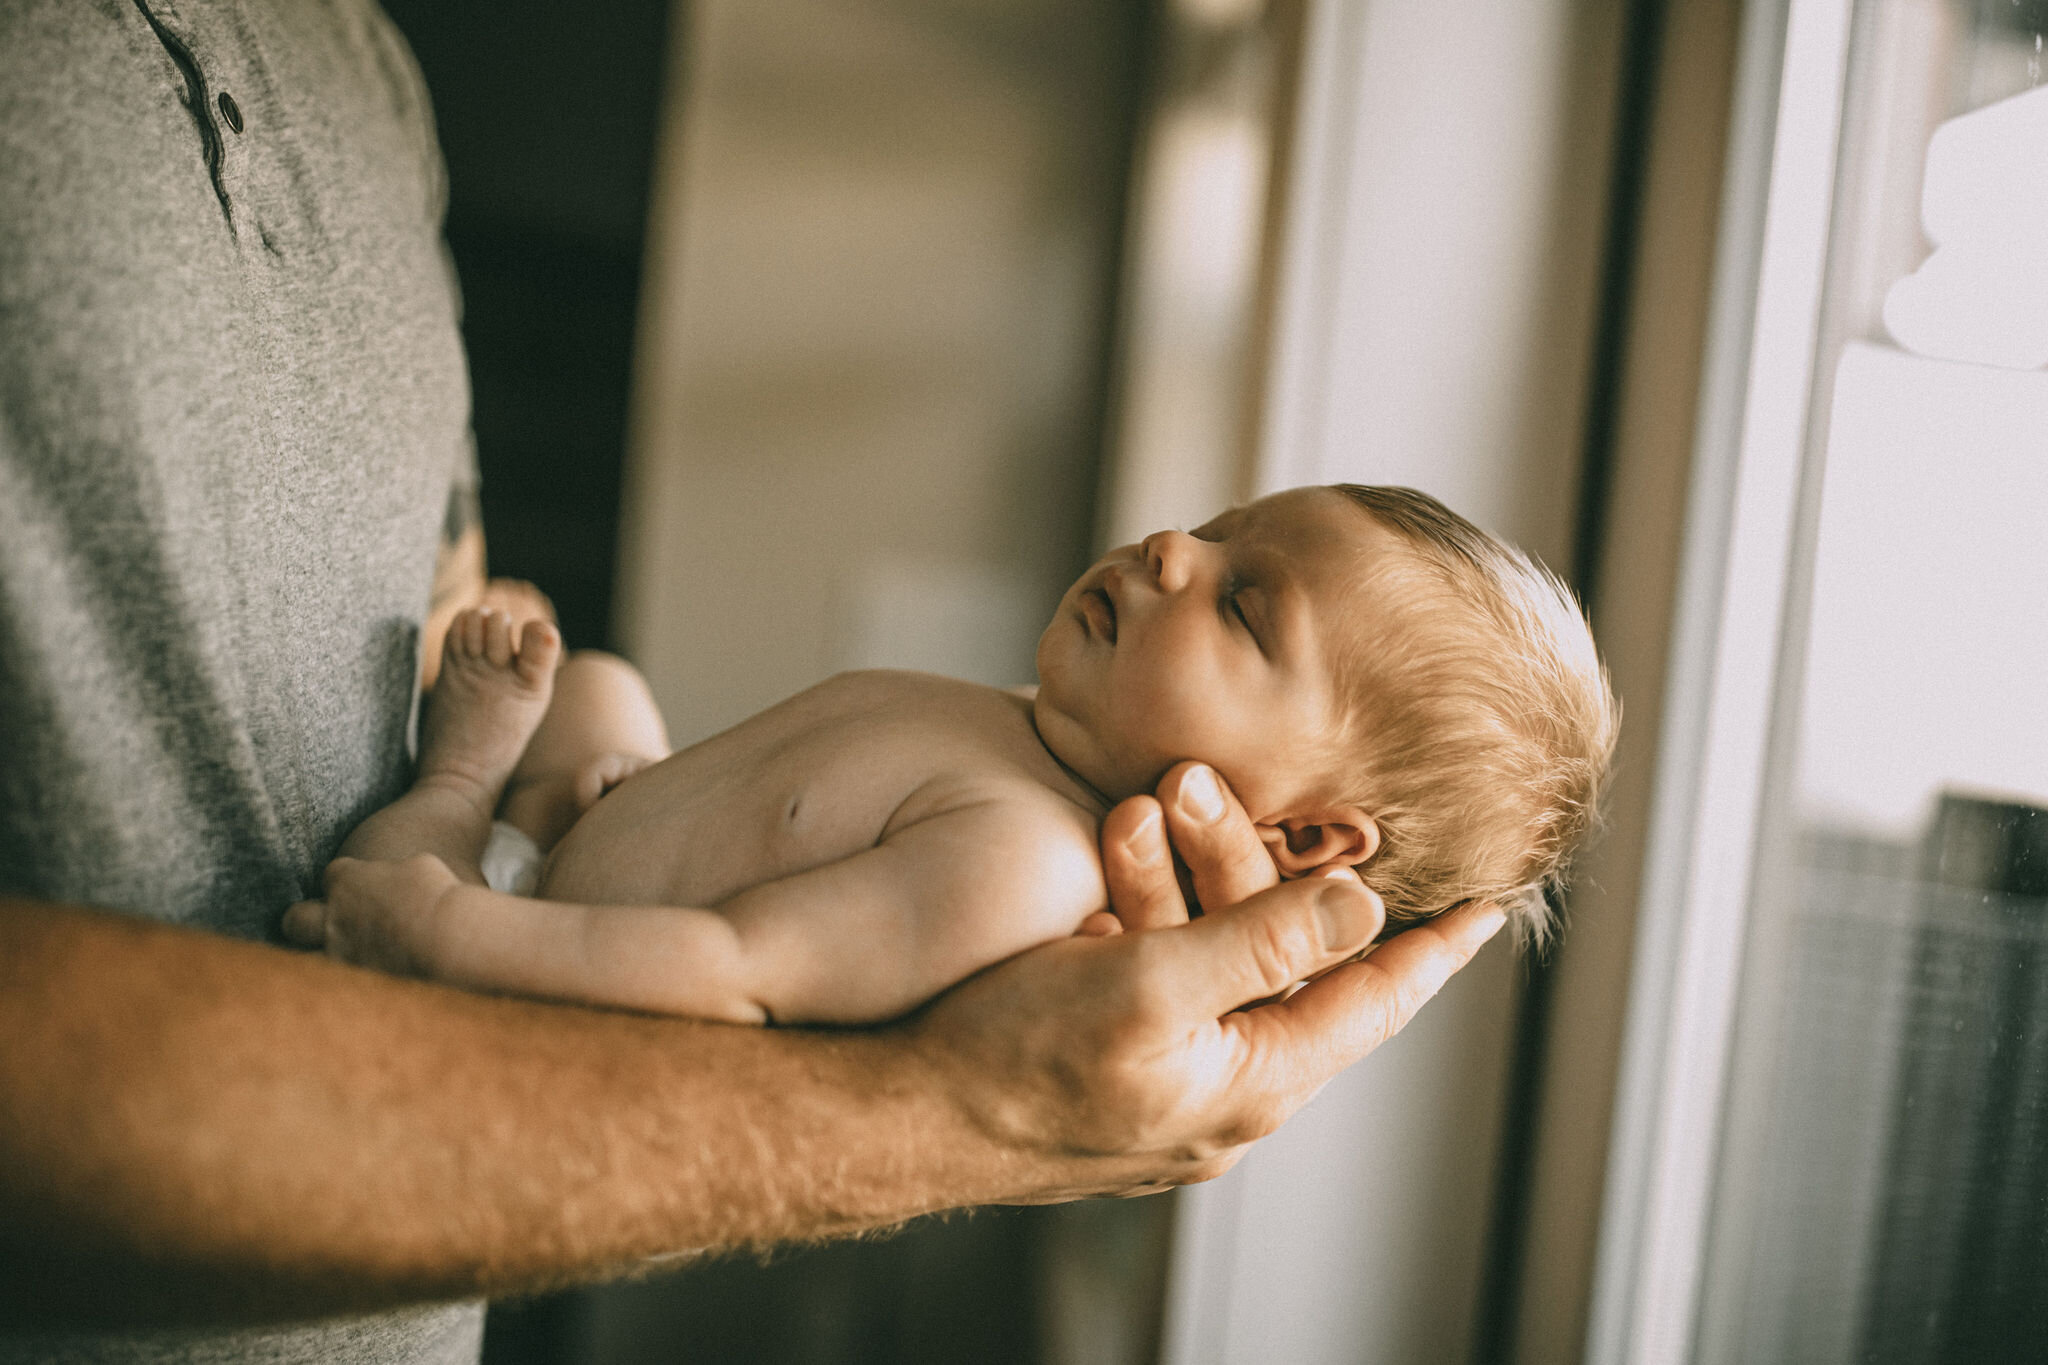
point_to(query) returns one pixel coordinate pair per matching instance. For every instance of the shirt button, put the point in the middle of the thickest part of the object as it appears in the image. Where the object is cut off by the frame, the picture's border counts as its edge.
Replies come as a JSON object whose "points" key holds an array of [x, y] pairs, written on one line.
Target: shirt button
{"points": [[230, 111]]}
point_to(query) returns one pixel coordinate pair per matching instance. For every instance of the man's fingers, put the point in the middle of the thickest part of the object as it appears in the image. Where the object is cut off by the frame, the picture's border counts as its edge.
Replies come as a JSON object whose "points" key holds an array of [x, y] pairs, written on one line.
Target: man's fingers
{"points": [[1272, 941], [1425, 956], [1208, 829], [306, 924], [1214, 837], [1138, 865], [1333, 1021]]}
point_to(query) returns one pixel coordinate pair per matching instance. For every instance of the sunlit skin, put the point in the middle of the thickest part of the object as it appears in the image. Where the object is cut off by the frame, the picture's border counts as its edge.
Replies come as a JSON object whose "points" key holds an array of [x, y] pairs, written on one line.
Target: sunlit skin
{"points": [[844, 856], [1214, 645], [255, 1135], [287, 1137]]}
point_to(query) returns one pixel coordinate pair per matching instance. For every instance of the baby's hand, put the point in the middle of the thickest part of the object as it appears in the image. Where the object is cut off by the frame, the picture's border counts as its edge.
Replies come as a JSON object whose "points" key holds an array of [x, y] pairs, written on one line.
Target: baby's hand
{"points": [[376, 914]]}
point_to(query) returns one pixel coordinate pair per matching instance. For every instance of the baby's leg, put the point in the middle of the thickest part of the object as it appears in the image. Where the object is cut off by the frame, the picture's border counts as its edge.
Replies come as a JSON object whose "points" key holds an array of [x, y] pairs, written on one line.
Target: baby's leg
{"points": [[491, 695], [601, 728]]}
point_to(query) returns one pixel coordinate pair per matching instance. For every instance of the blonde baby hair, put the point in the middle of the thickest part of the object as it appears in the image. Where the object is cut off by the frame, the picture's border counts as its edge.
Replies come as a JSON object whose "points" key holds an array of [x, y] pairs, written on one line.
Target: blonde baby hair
{"points": [[1481, 723]]}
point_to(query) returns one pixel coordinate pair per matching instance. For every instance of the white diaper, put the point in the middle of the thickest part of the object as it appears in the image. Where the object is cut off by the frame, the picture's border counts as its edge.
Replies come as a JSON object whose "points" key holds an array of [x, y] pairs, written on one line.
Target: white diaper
{"points": [[511, 861]]}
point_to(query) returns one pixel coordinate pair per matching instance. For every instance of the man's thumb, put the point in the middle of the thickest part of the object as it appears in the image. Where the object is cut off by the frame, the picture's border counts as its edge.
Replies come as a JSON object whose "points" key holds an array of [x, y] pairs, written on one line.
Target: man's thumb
{"points": [[1264, 945]]}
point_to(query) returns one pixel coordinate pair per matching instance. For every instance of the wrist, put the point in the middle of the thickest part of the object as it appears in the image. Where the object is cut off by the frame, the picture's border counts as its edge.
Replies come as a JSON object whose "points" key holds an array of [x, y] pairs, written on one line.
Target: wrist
{"points": [[942, 1140], [453, 929], [936, 1155], [1009, 1117]]}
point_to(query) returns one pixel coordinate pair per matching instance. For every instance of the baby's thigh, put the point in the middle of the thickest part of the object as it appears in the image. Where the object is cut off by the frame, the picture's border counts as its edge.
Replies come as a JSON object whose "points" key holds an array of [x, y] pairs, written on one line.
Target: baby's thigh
{"points": [[601, 706]]}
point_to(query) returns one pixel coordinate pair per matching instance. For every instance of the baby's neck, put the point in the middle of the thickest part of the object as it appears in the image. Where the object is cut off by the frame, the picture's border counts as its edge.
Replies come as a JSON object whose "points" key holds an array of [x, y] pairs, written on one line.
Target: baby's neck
{"points": [[1086, 791]]}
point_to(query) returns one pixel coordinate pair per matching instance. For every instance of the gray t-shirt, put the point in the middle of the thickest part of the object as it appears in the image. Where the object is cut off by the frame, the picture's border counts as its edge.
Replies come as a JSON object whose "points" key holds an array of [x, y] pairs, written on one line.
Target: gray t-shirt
{"points": [[233, 406]]}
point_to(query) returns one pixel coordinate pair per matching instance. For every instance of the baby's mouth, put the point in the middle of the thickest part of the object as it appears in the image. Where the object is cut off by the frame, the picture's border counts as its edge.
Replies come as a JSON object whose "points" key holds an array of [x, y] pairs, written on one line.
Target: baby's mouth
{"points": [[1100, 614]]}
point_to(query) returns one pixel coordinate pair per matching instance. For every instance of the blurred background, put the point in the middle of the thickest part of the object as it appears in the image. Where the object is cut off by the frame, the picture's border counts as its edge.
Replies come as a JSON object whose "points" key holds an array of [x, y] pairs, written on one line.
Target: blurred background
{"points": [[809, 335]]}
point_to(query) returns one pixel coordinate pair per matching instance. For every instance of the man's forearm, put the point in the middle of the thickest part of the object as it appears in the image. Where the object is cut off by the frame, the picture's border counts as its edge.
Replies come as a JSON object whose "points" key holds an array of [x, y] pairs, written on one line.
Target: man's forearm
{"points": [[192, 1127]]}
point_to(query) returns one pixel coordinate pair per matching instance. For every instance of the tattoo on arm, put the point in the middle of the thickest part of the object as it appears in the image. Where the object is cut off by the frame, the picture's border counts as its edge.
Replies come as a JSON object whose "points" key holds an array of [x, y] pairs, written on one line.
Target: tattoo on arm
{"points": [[458, 566]]}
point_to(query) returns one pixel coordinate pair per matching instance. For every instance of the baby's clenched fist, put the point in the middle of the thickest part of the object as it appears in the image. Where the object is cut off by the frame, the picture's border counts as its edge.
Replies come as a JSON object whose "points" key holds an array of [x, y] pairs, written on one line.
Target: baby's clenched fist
{"points": [[377, 914]]}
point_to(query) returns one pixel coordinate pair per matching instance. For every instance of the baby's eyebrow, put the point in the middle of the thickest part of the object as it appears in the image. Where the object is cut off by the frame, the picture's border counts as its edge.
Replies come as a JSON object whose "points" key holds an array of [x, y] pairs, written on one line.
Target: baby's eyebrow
{"points": [[1278, 603]]}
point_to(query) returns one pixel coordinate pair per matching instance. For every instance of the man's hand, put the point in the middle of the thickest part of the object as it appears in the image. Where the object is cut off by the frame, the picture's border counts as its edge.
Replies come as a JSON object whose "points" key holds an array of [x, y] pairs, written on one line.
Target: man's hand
{"points": [[1130, 1057], [377, 914], [259, 1135], [1194, 815]]}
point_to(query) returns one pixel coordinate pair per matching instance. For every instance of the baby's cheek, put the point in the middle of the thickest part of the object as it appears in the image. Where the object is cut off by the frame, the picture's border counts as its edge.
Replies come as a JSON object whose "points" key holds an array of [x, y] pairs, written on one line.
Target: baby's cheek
{"points": [[1168, 720]]}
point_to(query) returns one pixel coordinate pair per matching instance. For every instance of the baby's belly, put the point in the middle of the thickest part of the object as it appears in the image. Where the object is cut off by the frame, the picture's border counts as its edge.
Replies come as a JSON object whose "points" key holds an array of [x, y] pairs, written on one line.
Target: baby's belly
{"points": [[698, 839], [813, 780]]}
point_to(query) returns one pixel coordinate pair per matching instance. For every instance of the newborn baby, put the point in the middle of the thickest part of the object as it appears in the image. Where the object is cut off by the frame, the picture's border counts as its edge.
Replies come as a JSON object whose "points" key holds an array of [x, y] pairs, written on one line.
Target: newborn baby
{"points": [[1384, 687]]}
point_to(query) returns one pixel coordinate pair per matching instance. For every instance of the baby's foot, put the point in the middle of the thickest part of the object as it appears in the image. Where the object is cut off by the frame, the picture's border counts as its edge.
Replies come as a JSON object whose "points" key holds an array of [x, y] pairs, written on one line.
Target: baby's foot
{"points": [[491, 695]]}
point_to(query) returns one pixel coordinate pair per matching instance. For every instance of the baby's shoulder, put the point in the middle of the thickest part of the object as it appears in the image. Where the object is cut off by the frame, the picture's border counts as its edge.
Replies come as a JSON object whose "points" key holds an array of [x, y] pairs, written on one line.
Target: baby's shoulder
{"points": [[958, 750], [1012, 848], [927, 721], [1004, 797], [897, 692]]}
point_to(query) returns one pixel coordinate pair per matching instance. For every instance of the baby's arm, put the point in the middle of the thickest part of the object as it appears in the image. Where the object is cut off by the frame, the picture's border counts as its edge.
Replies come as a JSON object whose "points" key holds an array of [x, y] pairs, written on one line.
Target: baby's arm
{"points": [[859, 940], [872, 936]]}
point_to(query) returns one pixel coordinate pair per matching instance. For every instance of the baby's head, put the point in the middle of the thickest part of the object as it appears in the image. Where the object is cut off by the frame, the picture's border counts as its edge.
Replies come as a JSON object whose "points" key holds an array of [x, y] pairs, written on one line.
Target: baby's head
{"points": [[1382, 684]]}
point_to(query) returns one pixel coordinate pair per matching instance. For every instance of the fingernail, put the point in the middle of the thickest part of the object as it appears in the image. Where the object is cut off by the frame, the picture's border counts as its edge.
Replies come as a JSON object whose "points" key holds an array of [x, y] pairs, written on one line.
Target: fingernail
{"points": [[1346, 915], [1201, 795]]}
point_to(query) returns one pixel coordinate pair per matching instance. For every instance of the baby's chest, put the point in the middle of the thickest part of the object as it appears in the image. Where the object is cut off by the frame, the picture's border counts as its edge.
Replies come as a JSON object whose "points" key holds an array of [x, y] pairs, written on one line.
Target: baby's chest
{"points": [[741, 817]]}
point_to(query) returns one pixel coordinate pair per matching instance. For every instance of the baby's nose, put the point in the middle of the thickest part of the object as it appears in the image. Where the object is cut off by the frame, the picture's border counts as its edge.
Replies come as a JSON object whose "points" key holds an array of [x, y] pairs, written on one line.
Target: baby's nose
{"points": [[1171, 556]]}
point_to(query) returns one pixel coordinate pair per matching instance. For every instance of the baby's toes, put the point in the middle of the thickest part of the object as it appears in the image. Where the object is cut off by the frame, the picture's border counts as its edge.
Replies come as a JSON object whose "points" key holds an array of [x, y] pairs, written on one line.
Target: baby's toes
{"points": [[497, 637], [465, 637], [540, 649]]}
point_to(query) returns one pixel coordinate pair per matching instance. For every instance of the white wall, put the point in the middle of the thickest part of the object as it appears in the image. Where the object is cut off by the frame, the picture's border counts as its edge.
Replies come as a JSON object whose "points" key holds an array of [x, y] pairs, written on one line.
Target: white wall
{"points": [[867, 369], [1434, 327]]}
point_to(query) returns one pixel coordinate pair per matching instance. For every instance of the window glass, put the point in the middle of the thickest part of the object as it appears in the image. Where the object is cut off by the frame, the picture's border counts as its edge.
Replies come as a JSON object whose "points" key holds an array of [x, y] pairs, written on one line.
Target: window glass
{"points": [[1882, 1193]]}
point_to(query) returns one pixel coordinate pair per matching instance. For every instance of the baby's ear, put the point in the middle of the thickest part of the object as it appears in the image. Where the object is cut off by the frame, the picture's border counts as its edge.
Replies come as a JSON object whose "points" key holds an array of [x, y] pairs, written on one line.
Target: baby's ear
{"points": [[1340, 836]]}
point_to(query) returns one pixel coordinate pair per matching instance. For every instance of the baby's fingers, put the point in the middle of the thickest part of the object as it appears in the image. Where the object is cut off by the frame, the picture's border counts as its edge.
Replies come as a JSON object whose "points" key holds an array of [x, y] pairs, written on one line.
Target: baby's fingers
{"points": [[305, 924]]}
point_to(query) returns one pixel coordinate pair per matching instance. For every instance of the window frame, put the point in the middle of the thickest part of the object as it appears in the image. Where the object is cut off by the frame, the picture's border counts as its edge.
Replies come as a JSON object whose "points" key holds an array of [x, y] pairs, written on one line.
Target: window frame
{"points": [[1728, 637]]}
